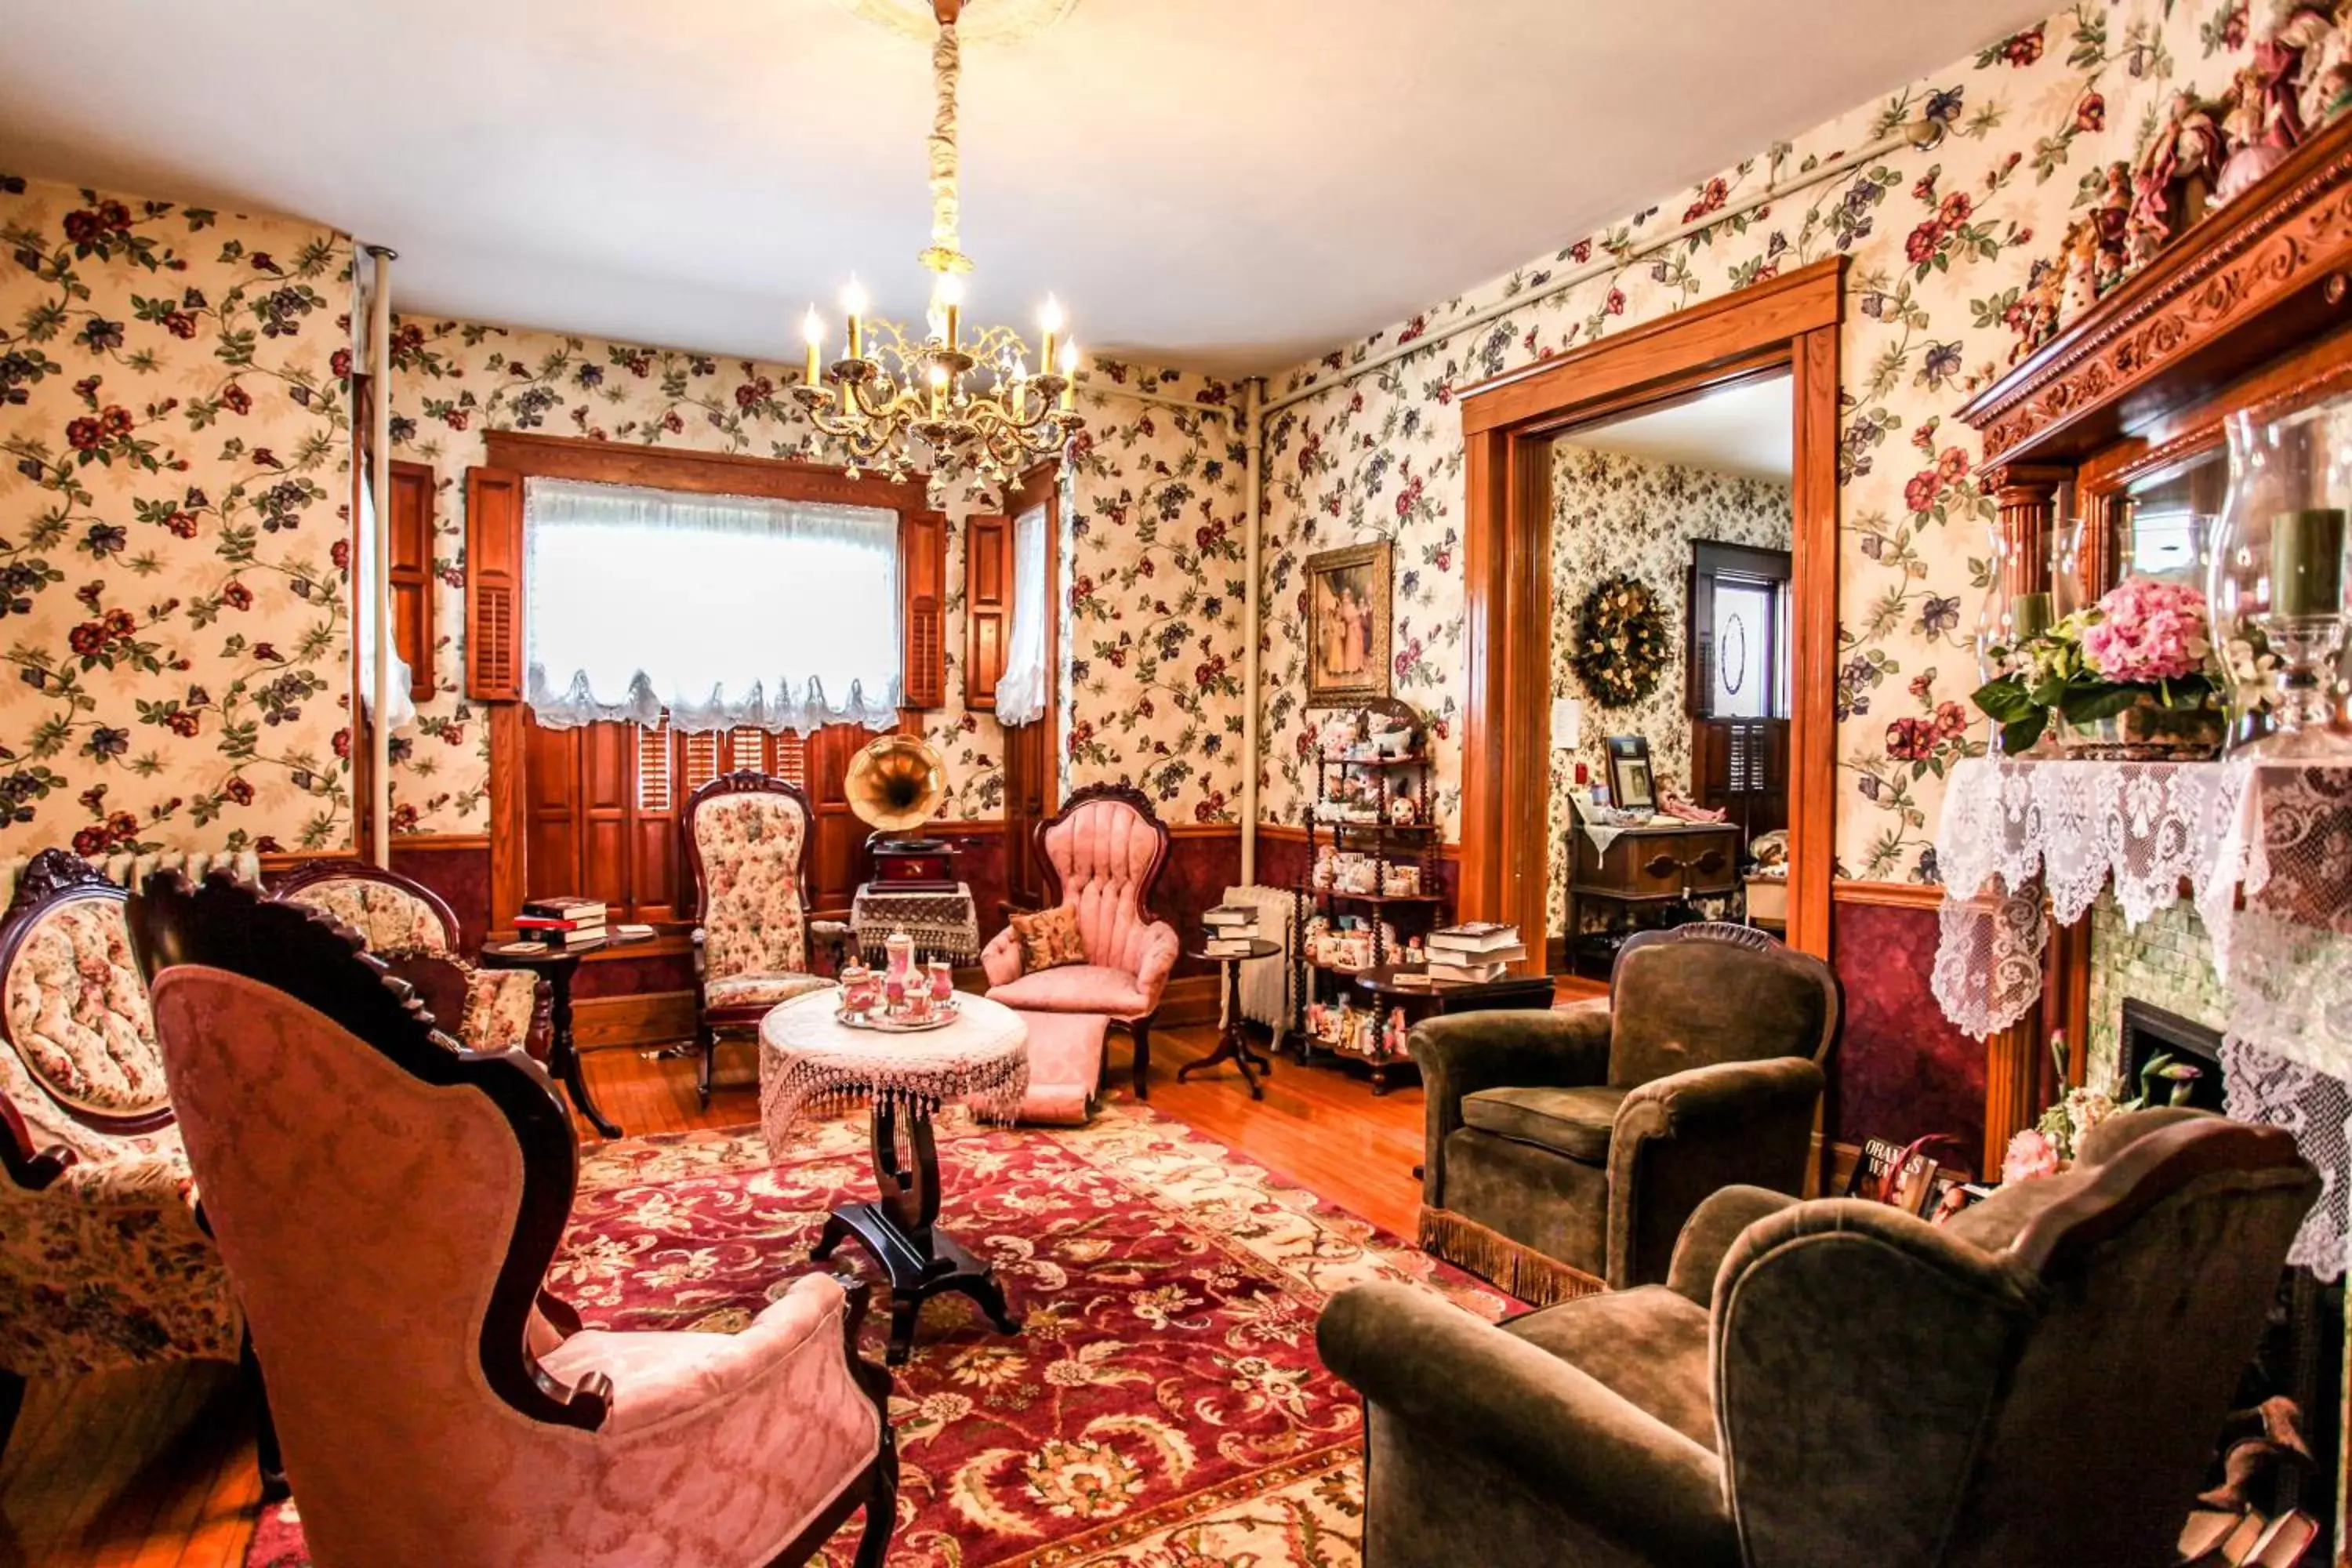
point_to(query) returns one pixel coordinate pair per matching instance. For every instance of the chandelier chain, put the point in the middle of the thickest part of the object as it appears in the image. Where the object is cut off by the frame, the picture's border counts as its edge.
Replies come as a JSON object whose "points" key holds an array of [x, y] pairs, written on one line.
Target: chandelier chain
{"points": [[946, 254]]}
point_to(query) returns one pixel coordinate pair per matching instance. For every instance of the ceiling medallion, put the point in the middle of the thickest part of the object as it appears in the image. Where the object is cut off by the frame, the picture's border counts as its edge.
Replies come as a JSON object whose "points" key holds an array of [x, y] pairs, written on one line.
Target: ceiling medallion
{"points": [[1000, 22], [903, 406]]}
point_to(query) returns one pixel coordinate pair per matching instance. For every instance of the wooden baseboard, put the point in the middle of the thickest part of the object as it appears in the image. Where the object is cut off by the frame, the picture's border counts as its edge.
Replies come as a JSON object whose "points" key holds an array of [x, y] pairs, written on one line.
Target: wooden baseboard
{"points": [[642, 1018]]}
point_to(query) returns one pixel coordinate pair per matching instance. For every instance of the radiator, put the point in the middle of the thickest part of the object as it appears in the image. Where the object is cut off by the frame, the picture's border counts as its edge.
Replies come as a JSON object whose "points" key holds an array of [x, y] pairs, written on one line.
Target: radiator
{"points": [[130, 870], [1265, 981]]}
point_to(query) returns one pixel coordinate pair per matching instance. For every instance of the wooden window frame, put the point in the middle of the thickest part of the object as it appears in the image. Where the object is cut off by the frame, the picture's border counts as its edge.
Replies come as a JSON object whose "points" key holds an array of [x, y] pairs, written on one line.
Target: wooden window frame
{"points": [[525, 455]]}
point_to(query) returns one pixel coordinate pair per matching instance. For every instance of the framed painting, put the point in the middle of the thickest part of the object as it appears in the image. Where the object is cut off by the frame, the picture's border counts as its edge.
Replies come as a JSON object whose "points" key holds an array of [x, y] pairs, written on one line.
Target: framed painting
{"points": [[1348, 625], [1630, 785]]}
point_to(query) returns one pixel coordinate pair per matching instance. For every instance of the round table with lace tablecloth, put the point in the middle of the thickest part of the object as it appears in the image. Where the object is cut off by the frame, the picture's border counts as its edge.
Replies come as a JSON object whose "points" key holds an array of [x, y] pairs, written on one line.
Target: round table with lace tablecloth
{"points": [[811, 1064]]}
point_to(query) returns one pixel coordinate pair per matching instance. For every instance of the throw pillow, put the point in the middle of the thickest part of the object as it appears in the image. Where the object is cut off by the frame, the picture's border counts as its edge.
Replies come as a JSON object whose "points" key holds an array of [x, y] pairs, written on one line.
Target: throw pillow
{"points": [[1049, 939]]}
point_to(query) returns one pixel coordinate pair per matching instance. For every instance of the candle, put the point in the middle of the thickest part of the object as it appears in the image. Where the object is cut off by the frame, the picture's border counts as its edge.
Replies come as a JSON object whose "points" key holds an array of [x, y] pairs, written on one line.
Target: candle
{"points": [[1050, 321], [852, 305], [2308, 562], [939, 390], [1069, 376], [813, 328], [950, 295], [2031, 614]]}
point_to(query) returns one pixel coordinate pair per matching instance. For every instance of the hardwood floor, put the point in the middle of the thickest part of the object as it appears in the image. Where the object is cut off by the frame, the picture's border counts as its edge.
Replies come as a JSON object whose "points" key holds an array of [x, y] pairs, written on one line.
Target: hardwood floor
{"points": [[154, 1468]]}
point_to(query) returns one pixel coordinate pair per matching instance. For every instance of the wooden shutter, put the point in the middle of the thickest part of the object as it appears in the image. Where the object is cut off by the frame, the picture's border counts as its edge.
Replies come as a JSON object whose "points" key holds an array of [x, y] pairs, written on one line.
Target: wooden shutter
{"points": [[411, 515], [792, 758], [702, 761], [746, 750], [494, 585], [923, 572], [987, 607]]}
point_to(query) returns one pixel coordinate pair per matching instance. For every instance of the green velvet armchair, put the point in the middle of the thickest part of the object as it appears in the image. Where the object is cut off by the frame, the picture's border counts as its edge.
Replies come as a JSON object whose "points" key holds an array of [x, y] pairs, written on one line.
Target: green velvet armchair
{"points": [[1566, 1149], [2042, 1380]]}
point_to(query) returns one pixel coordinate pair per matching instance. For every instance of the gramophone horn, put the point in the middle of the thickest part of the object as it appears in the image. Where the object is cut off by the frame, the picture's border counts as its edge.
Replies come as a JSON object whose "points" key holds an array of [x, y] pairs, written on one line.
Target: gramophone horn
{"points": [[895, 781]]}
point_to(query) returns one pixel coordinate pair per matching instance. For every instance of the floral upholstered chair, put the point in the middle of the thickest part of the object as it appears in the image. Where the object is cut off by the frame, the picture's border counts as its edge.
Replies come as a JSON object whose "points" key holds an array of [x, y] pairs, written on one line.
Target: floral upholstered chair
{"points": [[1101, 856], [415, 932], [438, 1404], [103, 1260], [747, 835]]}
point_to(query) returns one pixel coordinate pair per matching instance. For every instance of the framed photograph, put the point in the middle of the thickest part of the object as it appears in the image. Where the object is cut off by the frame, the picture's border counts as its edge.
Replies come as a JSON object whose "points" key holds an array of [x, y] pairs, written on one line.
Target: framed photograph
{"points": [[1348, 625], [1630, 788]]}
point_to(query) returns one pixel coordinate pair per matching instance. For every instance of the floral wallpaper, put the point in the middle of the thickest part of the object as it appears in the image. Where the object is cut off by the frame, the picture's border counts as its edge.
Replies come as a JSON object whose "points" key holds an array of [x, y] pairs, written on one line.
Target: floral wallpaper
{"points": [[173, 526], [1156, 580], [1154, 496], [1943, 247], [1612, 513]]}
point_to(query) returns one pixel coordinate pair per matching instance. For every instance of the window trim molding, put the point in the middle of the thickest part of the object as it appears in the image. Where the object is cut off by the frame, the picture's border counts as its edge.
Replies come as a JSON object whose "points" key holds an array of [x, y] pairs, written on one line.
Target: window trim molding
{"points": [[534, 456]]}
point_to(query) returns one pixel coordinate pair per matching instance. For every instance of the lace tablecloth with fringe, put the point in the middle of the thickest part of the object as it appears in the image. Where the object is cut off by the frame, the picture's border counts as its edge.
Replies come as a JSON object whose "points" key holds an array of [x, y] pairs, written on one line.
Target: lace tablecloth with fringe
{"points": [[813, 1066], [2279, 834]]}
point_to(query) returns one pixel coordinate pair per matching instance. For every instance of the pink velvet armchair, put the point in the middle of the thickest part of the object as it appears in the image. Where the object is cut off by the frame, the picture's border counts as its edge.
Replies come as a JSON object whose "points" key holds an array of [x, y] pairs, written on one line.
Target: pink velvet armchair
{"points": [[1100, 856], [104, 1261], [388, 1204]]}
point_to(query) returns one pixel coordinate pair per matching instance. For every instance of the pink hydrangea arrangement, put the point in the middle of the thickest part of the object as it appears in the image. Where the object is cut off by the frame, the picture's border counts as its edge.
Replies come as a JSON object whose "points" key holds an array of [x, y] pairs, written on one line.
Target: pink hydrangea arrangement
{"points": [[2145, 632], [2032, 1153]]}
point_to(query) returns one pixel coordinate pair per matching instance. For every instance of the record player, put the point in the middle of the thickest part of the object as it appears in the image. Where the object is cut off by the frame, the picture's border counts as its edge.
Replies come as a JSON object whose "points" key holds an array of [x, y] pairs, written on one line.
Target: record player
{"points": [[895, 783]]}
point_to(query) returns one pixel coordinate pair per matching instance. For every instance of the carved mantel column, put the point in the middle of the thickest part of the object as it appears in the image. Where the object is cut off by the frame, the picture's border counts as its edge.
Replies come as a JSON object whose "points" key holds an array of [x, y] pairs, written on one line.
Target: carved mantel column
{"points": [[2027, 496]]}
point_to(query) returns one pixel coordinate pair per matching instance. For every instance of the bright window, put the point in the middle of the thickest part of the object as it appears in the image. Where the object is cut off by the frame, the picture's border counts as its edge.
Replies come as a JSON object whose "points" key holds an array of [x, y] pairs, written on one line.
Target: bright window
{"points": [[716, 612]]}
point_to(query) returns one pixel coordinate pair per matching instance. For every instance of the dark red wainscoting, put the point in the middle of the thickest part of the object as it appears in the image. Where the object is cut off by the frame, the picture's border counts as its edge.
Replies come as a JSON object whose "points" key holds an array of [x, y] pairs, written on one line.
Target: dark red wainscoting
{"points": [[1902, 1070]]}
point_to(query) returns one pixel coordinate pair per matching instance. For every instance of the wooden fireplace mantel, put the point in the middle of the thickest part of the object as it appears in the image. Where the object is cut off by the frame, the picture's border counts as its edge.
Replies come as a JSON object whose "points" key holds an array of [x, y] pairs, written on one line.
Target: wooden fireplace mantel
{"points": [[2252, 283]]}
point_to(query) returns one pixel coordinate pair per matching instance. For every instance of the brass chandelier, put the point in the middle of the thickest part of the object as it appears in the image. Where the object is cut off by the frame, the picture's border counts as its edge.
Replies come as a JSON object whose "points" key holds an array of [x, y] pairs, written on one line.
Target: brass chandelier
{"points": [[890, 396]]}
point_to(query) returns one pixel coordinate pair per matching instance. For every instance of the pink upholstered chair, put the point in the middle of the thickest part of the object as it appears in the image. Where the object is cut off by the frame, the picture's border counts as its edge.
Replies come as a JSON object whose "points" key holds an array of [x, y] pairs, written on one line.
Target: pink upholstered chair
{"points": [[388, 1204], [104, 1262], [414, 931], [1101, 856], [747, 836]]}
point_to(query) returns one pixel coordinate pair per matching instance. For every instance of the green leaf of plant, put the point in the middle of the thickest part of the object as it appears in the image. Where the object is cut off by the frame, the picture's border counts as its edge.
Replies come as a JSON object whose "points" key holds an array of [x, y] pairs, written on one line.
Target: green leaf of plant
{"points": [[2019, 735], [2004, 699]]}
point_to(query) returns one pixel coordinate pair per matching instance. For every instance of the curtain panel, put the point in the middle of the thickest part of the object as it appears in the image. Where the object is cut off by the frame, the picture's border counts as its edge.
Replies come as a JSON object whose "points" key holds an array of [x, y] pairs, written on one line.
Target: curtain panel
{"points": [[721, 611], [400, 709], [1020, 692]]}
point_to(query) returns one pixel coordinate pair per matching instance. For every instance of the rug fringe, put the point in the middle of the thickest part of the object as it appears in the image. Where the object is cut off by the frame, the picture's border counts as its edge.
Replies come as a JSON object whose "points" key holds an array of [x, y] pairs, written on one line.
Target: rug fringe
{"points": [[1519, 1270]]}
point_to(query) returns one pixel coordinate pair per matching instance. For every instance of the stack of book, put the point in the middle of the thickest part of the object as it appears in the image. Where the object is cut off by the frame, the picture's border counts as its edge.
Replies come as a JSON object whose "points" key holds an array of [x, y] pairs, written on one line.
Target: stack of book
{"points": [[1229, 929], [562, 922], [1478, 952]]}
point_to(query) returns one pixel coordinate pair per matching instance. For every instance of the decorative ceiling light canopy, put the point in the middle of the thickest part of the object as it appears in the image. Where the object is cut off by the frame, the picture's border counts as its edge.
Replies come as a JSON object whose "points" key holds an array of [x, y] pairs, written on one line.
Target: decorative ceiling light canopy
{"points": [[903, 406]]}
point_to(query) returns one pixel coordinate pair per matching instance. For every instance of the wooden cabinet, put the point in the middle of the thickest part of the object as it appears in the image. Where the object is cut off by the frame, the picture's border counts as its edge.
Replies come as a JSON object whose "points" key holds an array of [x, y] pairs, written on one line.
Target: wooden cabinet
{"points": [[1644, 871]]}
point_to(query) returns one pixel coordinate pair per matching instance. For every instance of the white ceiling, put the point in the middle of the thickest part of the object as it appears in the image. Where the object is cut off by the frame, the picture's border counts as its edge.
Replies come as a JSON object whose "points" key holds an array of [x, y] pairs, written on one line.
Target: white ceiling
{"points": [[1230, 185], [1749, 429]]}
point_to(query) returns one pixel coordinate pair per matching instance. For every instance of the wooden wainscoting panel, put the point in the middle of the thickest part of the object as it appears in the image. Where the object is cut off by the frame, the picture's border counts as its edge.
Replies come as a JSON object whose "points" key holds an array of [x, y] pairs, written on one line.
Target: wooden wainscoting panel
{"points": [[645, 1018]]}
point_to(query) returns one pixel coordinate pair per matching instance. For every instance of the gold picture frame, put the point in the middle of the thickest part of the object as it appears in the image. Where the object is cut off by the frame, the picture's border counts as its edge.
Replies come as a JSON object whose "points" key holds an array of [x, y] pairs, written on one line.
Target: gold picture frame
{"points": [[1348, 626]]}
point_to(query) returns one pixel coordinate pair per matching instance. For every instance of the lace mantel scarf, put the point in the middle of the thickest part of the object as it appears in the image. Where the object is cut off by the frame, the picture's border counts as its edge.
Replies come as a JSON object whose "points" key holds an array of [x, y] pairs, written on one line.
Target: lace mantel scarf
{"points": [[2281, 834], [810, 1066]]}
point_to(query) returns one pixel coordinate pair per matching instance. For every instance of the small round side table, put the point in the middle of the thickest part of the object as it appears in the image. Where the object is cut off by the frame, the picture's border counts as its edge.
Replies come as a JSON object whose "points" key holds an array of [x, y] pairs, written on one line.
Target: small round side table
{"points": [[1235, 1047], [808, 1061]]}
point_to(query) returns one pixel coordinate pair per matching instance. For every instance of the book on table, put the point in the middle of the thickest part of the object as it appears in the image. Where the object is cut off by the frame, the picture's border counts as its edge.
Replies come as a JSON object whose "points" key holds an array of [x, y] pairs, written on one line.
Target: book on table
{"points": [[549, 924], [1466, 974], [566, 908], [1230, 915], [1229, 946], [1478, 938]]}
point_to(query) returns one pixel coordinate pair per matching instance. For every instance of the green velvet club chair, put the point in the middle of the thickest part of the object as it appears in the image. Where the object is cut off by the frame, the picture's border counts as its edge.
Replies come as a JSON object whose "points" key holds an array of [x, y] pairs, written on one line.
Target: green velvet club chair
{"points": [[2043, 1380], [1566, 1149]]}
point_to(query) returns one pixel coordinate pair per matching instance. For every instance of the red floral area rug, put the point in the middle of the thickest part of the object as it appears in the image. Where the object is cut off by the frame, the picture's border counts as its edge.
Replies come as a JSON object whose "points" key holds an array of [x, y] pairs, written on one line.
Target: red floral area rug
{"points": [[1163, 1404]]}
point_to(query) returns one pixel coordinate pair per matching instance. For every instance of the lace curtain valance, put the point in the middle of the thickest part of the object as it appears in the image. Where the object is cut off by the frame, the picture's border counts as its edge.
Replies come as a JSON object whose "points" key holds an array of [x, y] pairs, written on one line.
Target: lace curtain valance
{"points": [[722, 611], [2278, 834]]}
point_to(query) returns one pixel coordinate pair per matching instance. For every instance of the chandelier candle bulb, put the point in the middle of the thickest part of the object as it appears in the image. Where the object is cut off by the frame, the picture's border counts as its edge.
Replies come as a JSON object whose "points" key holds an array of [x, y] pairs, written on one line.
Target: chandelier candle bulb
{"points": [[951, 299], [1069, 376], [1050, 321], [813, 328], [2308, 562], [852, 305]]}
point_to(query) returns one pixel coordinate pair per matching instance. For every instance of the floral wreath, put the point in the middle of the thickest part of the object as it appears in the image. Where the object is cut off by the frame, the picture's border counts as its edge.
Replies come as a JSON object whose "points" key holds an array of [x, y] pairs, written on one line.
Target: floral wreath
{"points": [[1621, 651]]}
